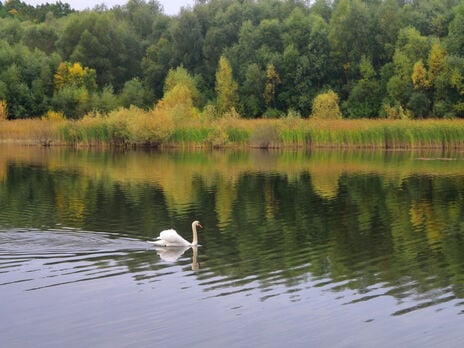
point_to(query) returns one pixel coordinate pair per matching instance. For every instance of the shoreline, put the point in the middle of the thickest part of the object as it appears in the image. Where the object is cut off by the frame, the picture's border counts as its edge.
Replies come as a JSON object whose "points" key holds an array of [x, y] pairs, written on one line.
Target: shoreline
{"points": [[285, 133]]}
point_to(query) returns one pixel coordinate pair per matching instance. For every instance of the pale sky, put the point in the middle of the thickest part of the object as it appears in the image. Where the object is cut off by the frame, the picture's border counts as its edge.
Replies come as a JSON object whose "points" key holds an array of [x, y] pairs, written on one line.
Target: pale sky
{"points": [[171, 7]]}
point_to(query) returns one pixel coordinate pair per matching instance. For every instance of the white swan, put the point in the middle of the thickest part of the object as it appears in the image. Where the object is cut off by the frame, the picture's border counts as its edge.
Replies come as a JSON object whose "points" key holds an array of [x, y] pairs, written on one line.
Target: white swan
{"points": [[170, 238]]}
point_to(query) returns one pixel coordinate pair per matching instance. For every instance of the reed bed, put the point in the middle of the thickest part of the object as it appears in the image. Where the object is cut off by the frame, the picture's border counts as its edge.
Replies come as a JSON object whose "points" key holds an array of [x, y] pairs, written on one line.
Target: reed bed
{"points": [[136, 127], [31, 132]]}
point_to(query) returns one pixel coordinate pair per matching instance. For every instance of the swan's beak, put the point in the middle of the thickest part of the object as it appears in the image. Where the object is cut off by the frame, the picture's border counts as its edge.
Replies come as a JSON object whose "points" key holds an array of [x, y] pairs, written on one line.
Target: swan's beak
{"points": [[199, 225]]}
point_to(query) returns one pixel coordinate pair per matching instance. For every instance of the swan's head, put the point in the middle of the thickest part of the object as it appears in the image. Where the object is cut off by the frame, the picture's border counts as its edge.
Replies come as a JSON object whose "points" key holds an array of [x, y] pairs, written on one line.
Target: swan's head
{"points": [[197, 223]]}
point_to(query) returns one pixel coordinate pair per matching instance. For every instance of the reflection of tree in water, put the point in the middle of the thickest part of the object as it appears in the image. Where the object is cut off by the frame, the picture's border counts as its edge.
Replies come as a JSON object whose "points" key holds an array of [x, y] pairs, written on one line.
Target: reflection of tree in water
{"points": [[261, 225], [362, 237]]}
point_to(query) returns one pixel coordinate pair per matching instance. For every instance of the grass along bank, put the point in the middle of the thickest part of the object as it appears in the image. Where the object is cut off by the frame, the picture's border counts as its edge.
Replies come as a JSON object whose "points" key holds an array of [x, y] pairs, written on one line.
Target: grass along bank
{"points": [[136, 127]]}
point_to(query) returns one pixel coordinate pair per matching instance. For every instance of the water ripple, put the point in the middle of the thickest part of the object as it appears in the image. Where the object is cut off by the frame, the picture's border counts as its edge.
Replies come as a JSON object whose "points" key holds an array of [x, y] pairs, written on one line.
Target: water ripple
{"points": [[43, 259]]}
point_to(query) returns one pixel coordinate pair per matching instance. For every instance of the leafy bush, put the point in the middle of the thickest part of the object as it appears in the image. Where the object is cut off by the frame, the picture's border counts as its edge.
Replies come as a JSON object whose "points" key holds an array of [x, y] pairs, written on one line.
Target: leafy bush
{"points": [[133, 93], [54, 116], [419, 104], [73, 101], [394, 112], [273, 113]]}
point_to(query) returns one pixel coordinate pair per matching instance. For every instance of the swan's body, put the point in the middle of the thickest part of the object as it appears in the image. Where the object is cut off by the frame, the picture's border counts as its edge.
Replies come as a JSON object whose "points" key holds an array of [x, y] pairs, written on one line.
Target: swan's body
{"points": [[170, 238]]}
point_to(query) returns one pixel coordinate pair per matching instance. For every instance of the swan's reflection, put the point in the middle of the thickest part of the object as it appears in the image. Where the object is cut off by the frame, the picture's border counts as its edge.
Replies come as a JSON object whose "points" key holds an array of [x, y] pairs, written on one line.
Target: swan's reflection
{"points": [[172, 254]]}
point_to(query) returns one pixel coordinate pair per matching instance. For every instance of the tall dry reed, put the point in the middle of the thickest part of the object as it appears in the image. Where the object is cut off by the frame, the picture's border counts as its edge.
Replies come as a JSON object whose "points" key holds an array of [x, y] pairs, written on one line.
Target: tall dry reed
{"points": [[159, 127]]}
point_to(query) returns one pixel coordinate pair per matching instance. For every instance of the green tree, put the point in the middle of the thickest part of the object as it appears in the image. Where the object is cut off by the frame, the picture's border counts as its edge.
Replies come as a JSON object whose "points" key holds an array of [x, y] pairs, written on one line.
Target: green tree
{"points": [[419, 104], [142, 15], [222, 22], [187, 38], [98, 41], [26, 79], [73, 101], [455, 39], [252, 91], [389, 19], [304, 67], [17, 93], [366, 96], [156, 64], [41, 36], [411, 47], [350, 36], [105, 101], [133, 93]]}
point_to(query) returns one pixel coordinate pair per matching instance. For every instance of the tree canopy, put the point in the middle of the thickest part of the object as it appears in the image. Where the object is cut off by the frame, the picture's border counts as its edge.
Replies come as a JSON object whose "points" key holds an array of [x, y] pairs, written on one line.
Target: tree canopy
{"points": [[260, 57]]}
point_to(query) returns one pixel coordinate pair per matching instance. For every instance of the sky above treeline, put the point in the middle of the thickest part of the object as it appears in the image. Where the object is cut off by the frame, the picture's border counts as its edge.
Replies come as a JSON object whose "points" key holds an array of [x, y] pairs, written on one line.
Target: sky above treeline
{"points": [[171, 7]]}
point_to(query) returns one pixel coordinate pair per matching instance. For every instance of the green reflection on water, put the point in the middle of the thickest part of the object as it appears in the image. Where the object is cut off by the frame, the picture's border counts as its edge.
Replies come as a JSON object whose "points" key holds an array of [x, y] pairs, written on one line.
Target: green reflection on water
{"points": [[356, 218]]}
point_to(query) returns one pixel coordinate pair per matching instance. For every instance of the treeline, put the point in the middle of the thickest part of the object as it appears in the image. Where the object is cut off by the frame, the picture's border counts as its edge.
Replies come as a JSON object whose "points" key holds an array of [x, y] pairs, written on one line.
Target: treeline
{"points": [[263, 58]]}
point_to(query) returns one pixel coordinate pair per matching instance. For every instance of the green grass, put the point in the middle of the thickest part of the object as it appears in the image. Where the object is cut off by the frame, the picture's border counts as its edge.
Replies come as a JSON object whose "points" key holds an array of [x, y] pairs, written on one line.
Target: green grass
{"points": [[190, 136]]}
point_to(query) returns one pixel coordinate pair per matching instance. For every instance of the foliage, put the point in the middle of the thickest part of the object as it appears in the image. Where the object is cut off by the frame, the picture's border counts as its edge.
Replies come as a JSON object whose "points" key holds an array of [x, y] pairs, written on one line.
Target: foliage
{"points": [[54, 116], [261, 57], [270, 88], [252, 90], [226, 87], [366, 96], [133, 93], [73, 100], [393, 112], [419, 76], [132, 126], [180, 79], [105, 101], [325, 106], [68, 74], [97, 40]]}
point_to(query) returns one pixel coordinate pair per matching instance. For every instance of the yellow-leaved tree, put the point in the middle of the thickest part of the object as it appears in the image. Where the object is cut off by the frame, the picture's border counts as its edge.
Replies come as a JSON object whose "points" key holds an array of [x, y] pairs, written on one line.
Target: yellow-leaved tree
{"points": [[75, 75], [419, 76], [325, 106], [226, 87], [180, 95], [270, 89], [74, 87], [436, 62]]}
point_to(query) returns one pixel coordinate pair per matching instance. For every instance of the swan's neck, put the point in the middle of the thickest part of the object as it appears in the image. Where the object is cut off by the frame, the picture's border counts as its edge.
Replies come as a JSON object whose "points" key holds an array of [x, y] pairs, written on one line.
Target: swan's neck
{"points": [[195, 235]]}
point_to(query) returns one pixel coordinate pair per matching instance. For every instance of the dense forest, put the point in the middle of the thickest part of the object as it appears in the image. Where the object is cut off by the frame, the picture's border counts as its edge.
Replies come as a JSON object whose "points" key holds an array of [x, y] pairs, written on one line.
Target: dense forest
{"points": [[262, 58]]}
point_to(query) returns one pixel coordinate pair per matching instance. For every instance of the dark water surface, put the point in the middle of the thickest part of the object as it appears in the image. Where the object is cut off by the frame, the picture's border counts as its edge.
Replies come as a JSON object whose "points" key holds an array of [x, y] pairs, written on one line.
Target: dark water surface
{"points": [[298, 249]]}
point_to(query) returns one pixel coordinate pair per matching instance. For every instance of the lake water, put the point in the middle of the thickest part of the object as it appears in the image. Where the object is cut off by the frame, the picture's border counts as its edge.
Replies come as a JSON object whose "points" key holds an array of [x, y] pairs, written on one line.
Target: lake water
{"points": [[298, 249]]}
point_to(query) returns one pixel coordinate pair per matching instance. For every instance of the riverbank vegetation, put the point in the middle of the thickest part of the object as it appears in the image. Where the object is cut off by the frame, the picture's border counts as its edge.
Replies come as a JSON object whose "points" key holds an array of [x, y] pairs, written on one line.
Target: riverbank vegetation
{"points": [[140, 128], [234, 73]]}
